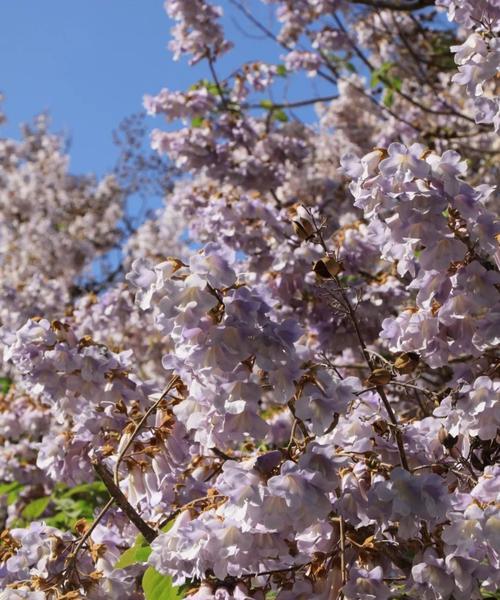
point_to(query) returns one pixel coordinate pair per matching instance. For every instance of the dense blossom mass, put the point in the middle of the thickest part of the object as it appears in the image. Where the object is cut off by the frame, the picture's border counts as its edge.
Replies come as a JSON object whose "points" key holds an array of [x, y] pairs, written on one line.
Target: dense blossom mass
{"points": [[287, 386]]}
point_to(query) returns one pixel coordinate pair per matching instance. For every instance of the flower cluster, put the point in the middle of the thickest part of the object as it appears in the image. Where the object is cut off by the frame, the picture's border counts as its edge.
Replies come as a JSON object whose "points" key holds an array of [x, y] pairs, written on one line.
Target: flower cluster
{"points": [[288, 387], [478, 58], [196, 31]]}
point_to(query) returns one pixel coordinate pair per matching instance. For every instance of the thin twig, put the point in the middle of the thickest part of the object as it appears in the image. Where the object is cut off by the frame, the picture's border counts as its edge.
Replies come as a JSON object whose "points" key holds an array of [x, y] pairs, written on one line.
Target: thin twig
{"points": [[297, 103], [395, 4], [89, 531], [175, 379], [190, 504]]}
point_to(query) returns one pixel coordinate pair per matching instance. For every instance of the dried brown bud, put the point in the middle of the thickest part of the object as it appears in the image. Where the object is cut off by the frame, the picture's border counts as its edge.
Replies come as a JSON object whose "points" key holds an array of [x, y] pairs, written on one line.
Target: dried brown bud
{"points": [[373, 462], [107, 450], [406, 362], [81, 526], [85, 341], [383, 152], [379, 377], [380, 426], [327, 268], [442, 435], [446, 439], [303, 229]]}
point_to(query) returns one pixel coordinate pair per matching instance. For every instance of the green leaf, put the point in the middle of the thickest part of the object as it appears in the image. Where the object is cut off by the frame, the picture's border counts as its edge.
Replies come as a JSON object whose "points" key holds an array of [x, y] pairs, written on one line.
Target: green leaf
{"points": [[381, 73], [268, 104], [281, 71], [375, 79], [159, 587], [61, 521], [11, 490], [388, 98], [133, 556], [6, 488], [396, 83], [5, 384], [196, 122], [71, 504], [168, 525], [280, 115], [35, 508], [490, 595], [96, 487], [212, 88], [138, 553]]}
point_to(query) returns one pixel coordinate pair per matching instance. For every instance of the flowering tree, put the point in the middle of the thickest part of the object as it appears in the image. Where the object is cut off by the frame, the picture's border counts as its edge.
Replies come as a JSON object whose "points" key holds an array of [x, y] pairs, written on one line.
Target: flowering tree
{"points": [[293, 391]]}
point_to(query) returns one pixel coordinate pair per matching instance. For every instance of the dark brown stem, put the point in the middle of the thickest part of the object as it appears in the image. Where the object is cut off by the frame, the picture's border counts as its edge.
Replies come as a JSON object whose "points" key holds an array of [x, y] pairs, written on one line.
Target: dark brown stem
{"points": [[395, 4], [89, 531], [121, 501], [379, 388]]}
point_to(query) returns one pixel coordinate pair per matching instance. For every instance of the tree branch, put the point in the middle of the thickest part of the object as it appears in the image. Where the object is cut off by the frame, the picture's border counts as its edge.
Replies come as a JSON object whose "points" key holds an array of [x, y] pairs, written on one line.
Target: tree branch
{"points": [[121, 501], [395, 4]]}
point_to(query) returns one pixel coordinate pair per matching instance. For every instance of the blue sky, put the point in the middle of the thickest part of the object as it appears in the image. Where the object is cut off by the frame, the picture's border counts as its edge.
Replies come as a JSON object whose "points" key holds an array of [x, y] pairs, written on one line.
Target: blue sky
{"points": [[89, 62]]}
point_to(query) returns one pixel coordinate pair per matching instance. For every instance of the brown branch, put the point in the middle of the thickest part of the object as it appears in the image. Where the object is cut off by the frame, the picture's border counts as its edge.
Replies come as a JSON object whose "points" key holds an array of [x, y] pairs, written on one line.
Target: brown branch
{"points": [[121, 501], [343, 568], [88, 533], [395, 4]]}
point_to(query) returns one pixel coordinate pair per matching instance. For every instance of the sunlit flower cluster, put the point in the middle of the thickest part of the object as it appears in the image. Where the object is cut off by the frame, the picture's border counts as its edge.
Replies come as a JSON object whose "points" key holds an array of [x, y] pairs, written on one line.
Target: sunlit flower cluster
{"points": [[287, 388]]}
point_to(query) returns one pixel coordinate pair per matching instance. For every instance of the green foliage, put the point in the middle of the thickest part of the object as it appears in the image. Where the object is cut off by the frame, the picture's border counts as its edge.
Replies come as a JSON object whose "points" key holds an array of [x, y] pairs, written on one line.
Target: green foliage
{"points": [[5, 384], [388, 98], [280, 115], [138, 553], [61, 509], [79, 502], [281, 71], [490, 595], [391, 82], [197, 122], [11, 490], [35, 509], [380, 74], [276, 113], [159, 587], [210, 86]]}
